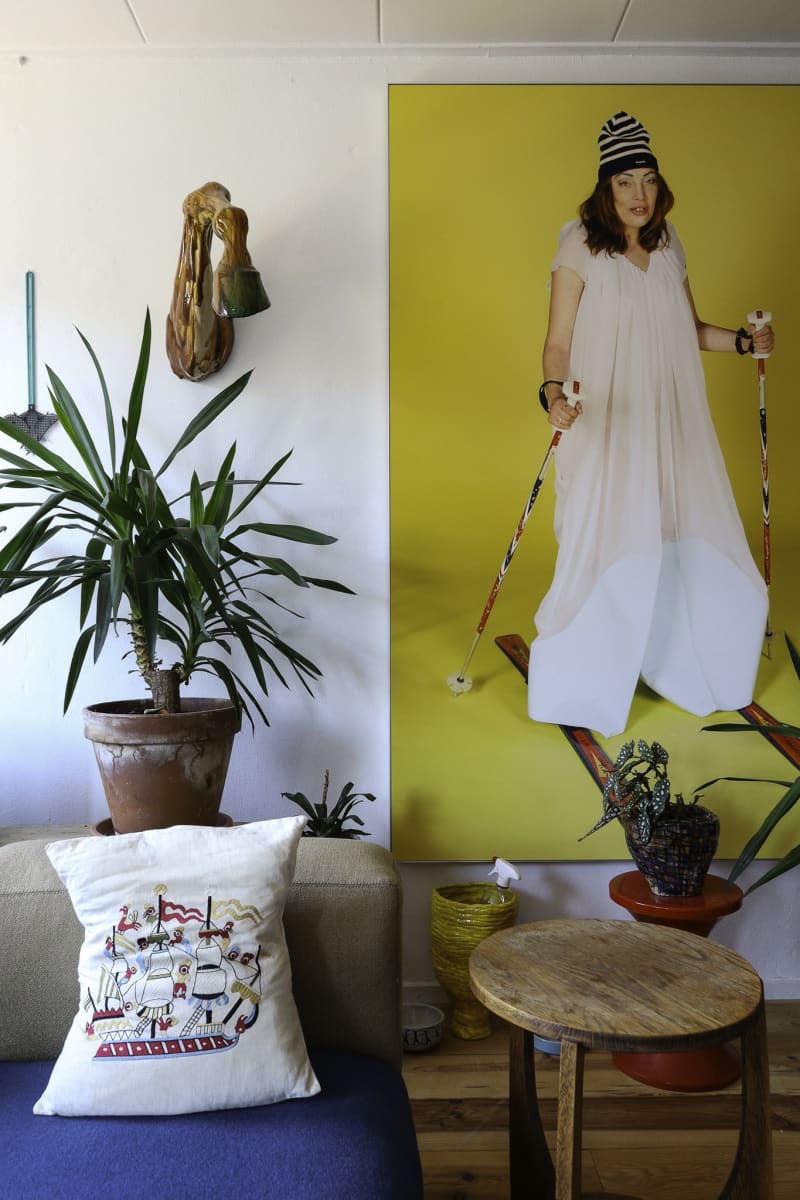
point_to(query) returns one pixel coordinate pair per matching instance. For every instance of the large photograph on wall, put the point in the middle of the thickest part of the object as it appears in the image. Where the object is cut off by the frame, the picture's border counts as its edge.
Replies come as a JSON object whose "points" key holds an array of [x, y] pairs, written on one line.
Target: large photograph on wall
{"points": [[483, 180]]}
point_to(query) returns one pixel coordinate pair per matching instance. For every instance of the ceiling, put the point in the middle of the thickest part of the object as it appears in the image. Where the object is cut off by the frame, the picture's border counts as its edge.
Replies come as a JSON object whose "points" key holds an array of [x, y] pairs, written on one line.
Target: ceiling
{"points": [[42, 27]]}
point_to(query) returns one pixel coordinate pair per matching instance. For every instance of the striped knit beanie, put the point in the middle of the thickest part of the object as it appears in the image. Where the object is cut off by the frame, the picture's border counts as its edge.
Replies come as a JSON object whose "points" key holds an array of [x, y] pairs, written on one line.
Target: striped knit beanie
{"points": [[624, 143]]}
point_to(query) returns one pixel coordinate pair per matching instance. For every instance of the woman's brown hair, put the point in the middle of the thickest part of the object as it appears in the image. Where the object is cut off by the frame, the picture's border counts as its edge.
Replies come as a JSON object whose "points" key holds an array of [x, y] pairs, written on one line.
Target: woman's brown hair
{"points": [[604, 230]]}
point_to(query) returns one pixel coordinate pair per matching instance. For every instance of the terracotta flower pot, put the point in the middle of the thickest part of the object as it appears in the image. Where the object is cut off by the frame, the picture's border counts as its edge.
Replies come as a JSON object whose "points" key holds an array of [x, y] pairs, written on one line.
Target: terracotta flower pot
{"points": [[675, 861], [162, 769]]}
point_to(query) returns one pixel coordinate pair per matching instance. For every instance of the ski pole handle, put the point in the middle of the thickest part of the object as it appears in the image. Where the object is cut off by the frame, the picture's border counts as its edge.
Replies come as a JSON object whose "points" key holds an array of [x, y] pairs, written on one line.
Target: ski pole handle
{"points": [[573, 391], [759, 317]]}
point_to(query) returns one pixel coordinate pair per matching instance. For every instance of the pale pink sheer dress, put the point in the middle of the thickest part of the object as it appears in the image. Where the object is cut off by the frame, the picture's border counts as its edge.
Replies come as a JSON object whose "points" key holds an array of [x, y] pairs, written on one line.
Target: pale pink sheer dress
{"points": [[654, 577]]}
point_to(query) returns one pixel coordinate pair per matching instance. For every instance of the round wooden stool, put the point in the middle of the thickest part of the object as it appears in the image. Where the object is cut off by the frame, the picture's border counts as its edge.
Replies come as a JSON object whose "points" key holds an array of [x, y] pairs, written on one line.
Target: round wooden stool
{"points": [[713, 1067], [618, 985]]}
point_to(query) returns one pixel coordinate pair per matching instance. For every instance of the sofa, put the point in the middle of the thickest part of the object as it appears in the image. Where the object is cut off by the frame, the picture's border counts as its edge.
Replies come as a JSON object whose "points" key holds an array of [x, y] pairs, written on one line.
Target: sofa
{"points": [[353, 1141]]}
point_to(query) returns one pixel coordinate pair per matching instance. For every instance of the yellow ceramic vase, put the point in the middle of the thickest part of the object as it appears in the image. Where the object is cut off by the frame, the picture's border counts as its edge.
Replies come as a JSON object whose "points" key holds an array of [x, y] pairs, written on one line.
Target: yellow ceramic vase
{"points": [[462, 915]]}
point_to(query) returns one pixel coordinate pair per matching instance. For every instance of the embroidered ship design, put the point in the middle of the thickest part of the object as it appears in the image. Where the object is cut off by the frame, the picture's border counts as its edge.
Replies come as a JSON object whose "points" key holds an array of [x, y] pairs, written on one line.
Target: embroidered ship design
{"points": [[169, 994]]}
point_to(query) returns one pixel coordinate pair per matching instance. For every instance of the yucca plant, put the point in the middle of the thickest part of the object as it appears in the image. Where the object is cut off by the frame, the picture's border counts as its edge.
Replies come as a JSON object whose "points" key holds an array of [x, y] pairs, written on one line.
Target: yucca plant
{"points": [[783, 807], [184, 575], [333, 824]]}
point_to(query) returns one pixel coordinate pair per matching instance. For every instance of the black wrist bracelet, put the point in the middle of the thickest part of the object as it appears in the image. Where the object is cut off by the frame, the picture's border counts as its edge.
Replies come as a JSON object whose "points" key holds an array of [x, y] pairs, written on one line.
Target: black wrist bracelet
{"points": [[543, 394], [741, 332]]}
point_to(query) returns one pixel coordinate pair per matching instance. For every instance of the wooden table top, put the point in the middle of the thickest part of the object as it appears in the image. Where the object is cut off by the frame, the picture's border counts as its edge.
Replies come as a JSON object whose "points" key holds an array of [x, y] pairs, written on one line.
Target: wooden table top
{"points": [[615, 985]]}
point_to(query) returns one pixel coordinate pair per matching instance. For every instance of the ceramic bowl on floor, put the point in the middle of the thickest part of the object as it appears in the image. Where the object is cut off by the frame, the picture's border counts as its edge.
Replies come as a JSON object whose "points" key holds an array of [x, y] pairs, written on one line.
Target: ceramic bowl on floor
{"points": [[423, 1026]]}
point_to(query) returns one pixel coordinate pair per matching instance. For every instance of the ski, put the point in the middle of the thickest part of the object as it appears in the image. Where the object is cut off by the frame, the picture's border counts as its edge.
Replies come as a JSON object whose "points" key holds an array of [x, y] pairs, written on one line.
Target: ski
{"points": [[594, 757], [582, 741]]}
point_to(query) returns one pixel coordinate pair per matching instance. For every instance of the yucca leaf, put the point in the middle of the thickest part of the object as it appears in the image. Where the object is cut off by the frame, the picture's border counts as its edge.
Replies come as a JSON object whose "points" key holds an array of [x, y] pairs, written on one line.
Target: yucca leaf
{"points": [[784, 805], [131, 424], [103, 614], [261, 484], [292, 533], [148, 490], [793, 654], [112, 439], [197, 508], [219, 503], [40, 452], [741, 779], [209, 539], [75, 428], [117, 575], [789, 860], [212, 410], [76, 664], [330, 584], [95, 553]]}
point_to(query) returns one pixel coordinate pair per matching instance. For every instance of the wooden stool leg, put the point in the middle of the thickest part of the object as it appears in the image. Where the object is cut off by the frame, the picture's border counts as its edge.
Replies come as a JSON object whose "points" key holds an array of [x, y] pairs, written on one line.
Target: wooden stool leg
{"points": [[751, 1175], [570, 1122], [531, 1167]]}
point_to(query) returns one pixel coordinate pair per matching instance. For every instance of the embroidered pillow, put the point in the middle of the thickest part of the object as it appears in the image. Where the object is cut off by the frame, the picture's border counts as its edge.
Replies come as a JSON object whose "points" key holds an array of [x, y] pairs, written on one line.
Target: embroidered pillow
{"points": [[185, 983]]}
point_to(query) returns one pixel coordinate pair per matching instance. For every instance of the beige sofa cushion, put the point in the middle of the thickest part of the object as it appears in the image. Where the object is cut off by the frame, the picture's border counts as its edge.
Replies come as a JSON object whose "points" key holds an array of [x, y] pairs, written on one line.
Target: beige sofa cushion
{"points": [[342, 923]]}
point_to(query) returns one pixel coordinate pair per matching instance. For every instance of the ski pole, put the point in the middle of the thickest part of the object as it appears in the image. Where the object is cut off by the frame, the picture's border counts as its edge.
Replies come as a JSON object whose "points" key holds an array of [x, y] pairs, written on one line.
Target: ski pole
{"points": [[461, 682], [760, 317]]}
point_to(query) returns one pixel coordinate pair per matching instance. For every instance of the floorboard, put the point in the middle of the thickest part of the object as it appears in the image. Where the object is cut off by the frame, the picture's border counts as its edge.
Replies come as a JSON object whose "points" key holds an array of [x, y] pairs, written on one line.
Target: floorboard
{"points": [[653, 1144]]}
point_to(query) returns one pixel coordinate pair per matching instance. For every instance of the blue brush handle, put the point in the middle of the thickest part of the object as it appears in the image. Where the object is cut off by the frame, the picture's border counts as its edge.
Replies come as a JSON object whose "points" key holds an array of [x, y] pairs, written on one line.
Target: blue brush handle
{"points": [[29, 324]]}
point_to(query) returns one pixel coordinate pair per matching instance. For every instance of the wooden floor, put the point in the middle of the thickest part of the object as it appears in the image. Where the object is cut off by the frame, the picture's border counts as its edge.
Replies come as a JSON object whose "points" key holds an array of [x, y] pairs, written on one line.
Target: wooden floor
{"points": [[652, 1144]]}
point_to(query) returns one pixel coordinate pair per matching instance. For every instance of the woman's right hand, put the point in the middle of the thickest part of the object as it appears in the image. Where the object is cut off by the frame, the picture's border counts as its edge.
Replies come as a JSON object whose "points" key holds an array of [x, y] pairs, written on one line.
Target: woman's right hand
{"points": [[562, 414]]}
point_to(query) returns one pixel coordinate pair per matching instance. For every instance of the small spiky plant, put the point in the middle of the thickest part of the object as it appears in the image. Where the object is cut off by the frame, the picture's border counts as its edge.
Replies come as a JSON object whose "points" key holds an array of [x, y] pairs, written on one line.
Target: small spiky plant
{"points": [[331, 824]]}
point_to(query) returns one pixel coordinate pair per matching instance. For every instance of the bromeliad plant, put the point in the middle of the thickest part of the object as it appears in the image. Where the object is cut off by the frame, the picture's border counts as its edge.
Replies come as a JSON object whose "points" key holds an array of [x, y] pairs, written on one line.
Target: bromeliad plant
{"points": [[331, 824], [188, 573]]}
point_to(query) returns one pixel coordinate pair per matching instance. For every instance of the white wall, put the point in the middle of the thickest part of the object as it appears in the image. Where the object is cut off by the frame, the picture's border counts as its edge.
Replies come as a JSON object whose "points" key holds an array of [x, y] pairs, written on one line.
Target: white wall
{"points": [[97, 157]]}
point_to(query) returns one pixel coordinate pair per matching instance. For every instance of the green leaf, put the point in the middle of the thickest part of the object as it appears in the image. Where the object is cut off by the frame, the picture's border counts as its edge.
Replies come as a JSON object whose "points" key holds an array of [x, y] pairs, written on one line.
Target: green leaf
{"points": [[219, 504], [148, 490], [112, 440], [117, 575], [76, 664], [103, 613], [131, 424], [197, 508], [789, 860], [209, 539], [205, 417], [793, 654], [330, 584], [784, 805], [741, 779], [261, 484], [292, 533], [74, 426], [95, 553]]}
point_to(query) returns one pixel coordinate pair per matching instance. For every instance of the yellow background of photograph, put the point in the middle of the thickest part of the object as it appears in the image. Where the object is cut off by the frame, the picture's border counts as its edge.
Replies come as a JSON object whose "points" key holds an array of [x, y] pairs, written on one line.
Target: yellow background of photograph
{"points": [[481, 180]]}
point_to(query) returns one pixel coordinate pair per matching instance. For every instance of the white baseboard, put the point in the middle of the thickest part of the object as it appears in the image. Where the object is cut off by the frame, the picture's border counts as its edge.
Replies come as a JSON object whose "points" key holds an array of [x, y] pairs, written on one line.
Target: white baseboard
{"points": [[423, 991], [782, 989]]}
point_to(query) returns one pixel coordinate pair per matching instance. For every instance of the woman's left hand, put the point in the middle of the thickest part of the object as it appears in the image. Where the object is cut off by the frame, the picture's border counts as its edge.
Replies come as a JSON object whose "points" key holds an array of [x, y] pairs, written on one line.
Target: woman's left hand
{"points": [[763, 339]]}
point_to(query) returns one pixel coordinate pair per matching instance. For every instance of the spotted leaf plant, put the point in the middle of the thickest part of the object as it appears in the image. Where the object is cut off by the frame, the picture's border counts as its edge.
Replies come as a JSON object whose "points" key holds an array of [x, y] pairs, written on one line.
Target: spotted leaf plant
{"points": [[637, 790]]}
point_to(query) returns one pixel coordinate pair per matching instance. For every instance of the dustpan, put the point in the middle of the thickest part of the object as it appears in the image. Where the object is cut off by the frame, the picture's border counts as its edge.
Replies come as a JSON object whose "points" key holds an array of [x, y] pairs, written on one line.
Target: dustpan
{"points": [[32, 422]]}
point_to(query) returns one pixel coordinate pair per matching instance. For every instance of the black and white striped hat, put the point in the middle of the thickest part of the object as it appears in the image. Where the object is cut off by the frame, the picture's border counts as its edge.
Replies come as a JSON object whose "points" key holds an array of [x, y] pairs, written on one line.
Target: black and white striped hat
{"points": [[624, 143]]}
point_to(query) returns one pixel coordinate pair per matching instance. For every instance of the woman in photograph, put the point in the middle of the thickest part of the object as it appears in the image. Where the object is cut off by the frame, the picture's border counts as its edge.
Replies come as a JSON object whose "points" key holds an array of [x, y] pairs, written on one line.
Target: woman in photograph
{"points": [[654, 577]]}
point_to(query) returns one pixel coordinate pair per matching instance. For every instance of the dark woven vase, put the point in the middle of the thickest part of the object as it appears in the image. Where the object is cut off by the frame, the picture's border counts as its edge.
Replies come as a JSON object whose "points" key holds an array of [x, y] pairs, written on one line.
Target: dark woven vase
{"points": [[675, 861]]}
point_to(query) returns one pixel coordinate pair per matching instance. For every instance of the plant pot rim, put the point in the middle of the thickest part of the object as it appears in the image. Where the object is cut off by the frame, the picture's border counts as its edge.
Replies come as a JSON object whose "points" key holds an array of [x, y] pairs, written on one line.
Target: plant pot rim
{"points": [[125, 721]]}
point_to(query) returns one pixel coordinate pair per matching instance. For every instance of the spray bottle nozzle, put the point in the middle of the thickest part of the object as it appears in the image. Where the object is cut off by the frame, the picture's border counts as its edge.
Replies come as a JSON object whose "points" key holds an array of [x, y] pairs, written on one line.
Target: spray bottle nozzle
{"points": [[504, 870]]}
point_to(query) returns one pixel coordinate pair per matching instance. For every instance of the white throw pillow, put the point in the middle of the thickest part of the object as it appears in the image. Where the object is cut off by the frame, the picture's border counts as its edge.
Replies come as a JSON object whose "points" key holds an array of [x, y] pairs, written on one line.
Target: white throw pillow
{"points": [[185, 983]]}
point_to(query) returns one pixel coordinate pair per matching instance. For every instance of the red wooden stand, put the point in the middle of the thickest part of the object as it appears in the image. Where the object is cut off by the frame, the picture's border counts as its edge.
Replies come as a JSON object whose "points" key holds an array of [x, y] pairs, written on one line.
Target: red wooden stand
{"points": [[694, 1070]]}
